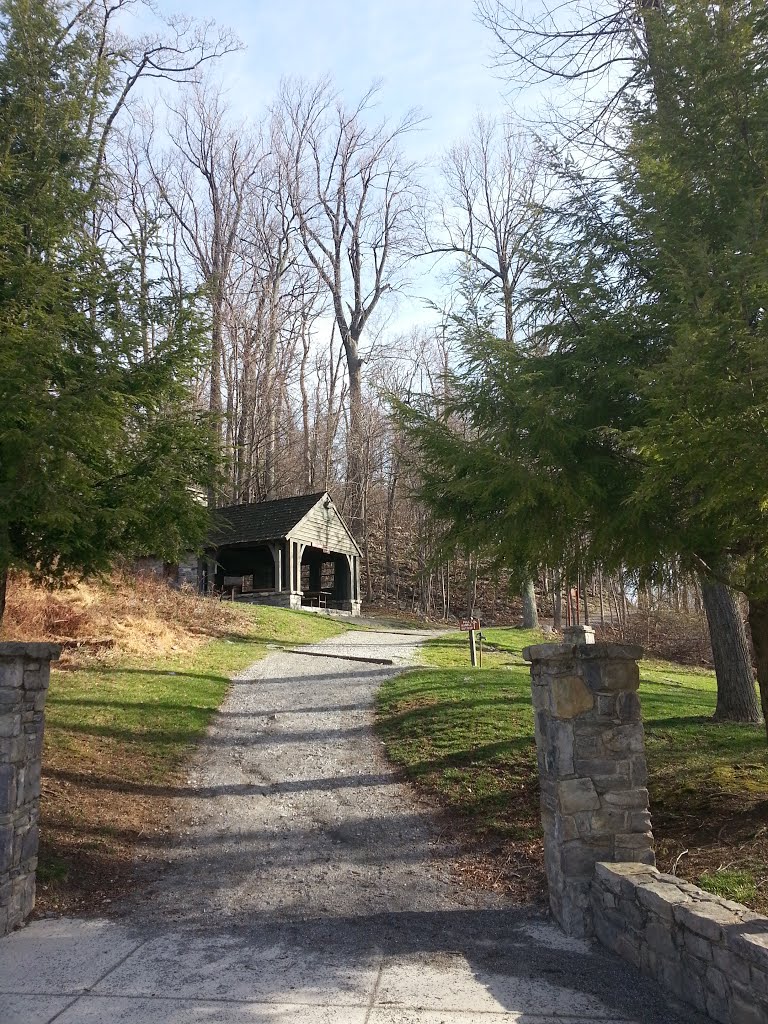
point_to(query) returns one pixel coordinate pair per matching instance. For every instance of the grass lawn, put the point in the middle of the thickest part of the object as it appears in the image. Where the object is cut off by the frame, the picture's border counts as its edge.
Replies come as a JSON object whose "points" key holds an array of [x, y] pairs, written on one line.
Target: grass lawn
{"points": [[117, 737], [466, 736]]}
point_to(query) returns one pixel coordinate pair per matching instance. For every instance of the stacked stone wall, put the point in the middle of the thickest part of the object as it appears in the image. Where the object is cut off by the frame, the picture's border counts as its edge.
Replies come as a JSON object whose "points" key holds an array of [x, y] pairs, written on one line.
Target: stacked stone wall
{"points": [[711, 952], [592, 770], [24, 677]]}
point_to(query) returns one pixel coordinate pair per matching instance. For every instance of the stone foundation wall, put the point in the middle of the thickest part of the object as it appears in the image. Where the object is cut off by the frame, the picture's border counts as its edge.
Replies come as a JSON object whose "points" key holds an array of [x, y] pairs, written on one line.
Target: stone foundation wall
{"points": [[24, 677], [711, 952], [285, 599]]}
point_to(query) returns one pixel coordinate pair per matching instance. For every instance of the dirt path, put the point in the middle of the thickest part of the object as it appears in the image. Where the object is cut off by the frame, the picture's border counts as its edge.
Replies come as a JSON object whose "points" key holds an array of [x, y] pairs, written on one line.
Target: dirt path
{"points": [[309, 885]]}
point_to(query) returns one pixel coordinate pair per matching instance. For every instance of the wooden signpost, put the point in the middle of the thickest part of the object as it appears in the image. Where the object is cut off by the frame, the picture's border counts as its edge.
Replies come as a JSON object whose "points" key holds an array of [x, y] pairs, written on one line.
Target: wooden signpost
{"points": [[475, 641]]}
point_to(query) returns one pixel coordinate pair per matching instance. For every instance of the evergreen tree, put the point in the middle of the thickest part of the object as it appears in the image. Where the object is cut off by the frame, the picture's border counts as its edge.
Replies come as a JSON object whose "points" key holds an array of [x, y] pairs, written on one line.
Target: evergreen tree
{"points": [[629, 432], [99, 451]]}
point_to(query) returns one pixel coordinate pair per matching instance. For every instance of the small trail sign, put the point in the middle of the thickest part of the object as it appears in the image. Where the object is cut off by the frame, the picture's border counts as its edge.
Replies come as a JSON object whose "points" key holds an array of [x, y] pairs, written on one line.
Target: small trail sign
{"points": [[467, 624]]}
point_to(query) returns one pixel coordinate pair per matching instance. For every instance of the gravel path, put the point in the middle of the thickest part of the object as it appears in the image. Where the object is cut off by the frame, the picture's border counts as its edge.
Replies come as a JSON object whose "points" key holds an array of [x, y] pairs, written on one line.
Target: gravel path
{"points": [[294, 811], [310, 886]]}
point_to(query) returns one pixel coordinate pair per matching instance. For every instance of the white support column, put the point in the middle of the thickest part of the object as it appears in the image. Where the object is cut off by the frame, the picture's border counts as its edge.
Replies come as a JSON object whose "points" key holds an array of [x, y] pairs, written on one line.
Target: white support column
{"points": [[277, 554], [299, 554]]}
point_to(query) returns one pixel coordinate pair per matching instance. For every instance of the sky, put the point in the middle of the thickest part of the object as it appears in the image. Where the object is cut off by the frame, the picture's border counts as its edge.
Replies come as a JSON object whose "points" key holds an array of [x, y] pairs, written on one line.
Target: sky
{"points": [[427, 54], [430, 54]]}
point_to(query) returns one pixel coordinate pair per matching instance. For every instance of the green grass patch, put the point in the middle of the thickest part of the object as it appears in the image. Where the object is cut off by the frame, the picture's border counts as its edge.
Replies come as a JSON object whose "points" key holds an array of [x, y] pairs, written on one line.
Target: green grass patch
{"points": [[466, 736], [156, 711], [740, 886]]}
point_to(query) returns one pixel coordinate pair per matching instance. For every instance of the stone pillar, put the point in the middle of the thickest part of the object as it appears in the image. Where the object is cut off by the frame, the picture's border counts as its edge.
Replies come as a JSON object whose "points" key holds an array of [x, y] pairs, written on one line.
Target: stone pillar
{"points": [[578, 635], [24, 676], [591, 754]]}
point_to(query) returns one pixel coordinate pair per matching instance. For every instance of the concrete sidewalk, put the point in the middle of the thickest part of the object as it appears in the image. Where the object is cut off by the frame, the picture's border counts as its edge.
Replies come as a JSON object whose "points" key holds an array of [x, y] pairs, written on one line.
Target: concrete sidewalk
{"points": [[308, 884], [99, 972]]}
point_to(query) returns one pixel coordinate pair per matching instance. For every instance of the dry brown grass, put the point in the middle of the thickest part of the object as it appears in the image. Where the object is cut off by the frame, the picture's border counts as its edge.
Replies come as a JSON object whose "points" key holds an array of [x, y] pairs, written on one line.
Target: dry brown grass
{"points": [[125, 615], [665, 634]]}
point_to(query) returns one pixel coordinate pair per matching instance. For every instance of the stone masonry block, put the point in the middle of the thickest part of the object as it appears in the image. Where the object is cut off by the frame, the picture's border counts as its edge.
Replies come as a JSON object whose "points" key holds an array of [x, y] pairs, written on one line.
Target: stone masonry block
{"points": [[717, 983], [698, 947], [606, 705], [718, 1009], [7, 788], [6, 850], [747, 1010], [758, 980], [658, 935], [625, 739], [661, 899], [10, 725], [577, 795], [750, 940], [570, 697], [32, 780], [673, 976], [630, 799], [9, 698], [611, 676], [612, 876], [731, 964], [11, 672], [639, 821], [628, 707], [705, 919], [30, 840], [639, 770], [607, 821], [641, 855], [579, 857], [634, 840], [694, 987], [561, 743]]}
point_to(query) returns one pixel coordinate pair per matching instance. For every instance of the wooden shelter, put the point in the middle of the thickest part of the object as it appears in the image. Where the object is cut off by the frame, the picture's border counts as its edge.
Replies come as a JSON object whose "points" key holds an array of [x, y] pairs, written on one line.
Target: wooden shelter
{"points": [[294, 552]]}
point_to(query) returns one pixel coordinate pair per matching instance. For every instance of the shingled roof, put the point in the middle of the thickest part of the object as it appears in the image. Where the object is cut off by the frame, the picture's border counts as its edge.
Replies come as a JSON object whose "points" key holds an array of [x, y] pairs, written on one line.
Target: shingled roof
{"points": [[260, 521]]}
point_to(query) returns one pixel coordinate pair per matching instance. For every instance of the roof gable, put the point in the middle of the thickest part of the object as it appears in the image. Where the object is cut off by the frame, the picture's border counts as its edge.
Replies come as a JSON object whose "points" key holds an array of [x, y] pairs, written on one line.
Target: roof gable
{"points": [[330, 505], [260, 521]]}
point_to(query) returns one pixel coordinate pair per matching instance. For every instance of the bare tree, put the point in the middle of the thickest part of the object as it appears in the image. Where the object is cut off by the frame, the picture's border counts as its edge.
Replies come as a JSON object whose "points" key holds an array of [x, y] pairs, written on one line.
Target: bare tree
{"points": [[600, 50], [494, 186], [354, 195], [176, 50], [205, 180]]}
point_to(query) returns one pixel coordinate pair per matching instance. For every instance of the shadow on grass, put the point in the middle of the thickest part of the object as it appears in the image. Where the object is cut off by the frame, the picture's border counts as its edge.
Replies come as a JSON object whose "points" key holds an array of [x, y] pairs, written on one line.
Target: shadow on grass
{"points": [[246, 789], [483, 756]]}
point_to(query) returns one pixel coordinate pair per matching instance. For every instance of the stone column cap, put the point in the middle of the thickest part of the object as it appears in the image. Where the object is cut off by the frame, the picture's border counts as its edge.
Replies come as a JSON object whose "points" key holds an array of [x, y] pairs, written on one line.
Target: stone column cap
{"points": [[578, 635], [564, 652], [36, 651]]}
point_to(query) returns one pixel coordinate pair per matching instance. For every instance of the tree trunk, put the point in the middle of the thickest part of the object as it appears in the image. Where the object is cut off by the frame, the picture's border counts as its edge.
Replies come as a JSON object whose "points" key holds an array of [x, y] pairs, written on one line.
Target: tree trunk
{"points": [[355, 441], [736, 698], [585, 599], [3, 592], [600, 592], [758, 624], [471, 587], [557, 601], [530, 612]]}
